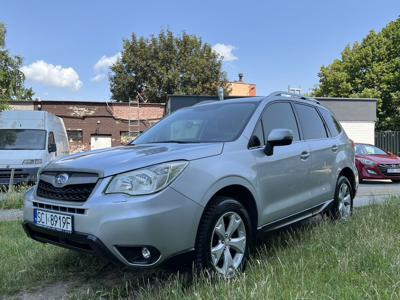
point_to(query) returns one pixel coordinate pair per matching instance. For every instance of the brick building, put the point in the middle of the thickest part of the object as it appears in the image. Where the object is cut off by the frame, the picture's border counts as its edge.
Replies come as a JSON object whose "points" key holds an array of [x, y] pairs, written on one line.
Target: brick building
{"points": [[92, 125], [241, 88]]}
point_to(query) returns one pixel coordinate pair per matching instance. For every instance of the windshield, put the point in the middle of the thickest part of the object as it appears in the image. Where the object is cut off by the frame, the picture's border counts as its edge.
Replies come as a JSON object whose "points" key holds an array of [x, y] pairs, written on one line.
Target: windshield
{"points": [[201, 124], [369, 150], [22, 139]]}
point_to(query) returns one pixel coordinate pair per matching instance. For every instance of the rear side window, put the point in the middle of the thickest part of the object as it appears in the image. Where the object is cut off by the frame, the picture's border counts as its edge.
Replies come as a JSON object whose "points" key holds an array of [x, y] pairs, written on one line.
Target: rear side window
{"points": [[280, 115], [310, 122], [333, 125]]}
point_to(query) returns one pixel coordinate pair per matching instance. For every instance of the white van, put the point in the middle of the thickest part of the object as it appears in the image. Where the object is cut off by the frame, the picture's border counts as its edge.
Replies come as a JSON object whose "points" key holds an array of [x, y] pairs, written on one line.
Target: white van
{"points": [[28, 140]]}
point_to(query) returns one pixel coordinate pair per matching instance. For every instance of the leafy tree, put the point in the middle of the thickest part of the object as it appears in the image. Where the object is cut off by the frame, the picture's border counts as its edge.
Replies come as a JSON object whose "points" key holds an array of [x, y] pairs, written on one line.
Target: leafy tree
{"points": [[11, 78], [166, 64], [369, 69]]}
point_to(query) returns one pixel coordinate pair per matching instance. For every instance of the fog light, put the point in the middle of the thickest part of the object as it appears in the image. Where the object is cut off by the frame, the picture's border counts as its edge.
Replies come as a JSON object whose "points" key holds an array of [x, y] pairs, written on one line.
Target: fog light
{"points": [[371, 172], [146, 253]]}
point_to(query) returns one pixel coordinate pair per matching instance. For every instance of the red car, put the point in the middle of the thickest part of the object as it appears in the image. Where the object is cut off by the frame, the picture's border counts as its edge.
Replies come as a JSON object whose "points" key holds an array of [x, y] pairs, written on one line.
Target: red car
{"points": [[374, 163]]}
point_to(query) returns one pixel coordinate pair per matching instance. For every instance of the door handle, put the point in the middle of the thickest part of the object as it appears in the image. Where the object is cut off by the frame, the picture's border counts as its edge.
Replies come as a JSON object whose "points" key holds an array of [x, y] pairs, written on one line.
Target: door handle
{"points": [[335, 148], [304, 155]]}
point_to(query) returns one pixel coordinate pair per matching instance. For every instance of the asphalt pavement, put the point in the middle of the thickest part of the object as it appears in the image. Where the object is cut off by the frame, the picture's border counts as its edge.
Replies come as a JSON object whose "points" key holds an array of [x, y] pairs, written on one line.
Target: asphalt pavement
{"points": [[375, 191]]}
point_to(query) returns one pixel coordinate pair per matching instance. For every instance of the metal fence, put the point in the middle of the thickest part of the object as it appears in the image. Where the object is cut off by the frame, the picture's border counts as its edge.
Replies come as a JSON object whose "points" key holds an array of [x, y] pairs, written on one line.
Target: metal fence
{"points": [[388, 141]]}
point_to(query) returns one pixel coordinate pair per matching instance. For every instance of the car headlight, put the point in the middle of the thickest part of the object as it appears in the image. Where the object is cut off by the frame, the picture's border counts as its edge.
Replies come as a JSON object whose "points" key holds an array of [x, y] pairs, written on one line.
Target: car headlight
{"points": [[32, 162], [367, 162], [147, 180]]}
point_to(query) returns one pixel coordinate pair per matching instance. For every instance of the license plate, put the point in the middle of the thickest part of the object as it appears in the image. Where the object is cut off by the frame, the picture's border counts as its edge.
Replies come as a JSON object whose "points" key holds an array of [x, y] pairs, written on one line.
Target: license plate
{"points": [[393, 171], [55, 221]]}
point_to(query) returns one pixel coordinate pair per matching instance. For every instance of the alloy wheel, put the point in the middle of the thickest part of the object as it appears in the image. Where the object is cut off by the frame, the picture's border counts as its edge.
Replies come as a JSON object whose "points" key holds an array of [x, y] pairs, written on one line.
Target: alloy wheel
{"points": [[344, 201], [228, 244]]}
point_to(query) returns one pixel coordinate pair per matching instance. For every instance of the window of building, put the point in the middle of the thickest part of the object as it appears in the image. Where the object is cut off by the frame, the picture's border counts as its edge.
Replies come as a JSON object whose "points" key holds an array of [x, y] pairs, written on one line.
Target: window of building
{"points": [[311, 123], [75, 136], [75, 139], [126, 138], [280, 115]]}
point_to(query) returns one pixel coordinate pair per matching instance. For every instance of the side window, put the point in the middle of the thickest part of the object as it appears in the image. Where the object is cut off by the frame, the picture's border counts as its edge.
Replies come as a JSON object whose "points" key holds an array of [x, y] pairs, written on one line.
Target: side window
{"points": [[51, 145], [258, 134], [333, 125], [51, 138], [310, 122], [280, 115]]}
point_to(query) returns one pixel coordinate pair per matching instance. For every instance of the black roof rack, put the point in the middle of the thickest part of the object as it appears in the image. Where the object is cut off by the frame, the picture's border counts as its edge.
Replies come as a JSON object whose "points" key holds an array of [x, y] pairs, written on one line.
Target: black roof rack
{"points": [[291, 95]]}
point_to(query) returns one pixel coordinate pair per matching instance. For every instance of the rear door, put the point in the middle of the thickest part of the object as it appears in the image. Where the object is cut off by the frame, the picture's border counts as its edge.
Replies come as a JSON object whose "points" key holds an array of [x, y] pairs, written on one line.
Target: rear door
{"points": [[283, 176], [322, 150]]}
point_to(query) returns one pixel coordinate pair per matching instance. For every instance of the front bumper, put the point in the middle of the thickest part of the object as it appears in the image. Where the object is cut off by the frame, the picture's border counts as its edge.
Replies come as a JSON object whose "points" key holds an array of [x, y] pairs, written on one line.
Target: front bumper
{"points": [[21, 175], [374, 172], [166, 221]]}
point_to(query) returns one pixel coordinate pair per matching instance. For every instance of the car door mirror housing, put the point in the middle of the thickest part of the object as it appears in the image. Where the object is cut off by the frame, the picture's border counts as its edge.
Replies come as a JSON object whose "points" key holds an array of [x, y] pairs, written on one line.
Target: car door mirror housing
{"points": [[278, 137]]}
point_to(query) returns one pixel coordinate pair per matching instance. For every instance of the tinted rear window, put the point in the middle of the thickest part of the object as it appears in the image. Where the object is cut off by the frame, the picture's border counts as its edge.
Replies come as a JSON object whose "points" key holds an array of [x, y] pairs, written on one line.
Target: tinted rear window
{"points": [[311, 123], [333, 124]]}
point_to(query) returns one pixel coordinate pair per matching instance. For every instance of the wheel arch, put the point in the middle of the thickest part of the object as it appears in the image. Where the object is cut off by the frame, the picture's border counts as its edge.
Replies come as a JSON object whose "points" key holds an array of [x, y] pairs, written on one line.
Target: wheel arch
{"points": [[242, 193]]}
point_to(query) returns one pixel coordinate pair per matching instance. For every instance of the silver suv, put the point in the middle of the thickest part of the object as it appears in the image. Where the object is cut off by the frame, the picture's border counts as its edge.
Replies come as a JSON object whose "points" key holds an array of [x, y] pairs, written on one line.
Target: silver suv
{"points": [[203, 180]]}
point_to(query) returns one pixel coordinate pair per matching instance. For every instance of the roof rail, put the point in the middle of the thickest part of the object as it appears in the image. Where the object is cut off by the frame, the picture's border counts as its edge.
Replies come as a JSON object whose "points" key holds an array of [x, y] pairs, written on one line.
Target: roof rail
{"points": [[291, 95]]}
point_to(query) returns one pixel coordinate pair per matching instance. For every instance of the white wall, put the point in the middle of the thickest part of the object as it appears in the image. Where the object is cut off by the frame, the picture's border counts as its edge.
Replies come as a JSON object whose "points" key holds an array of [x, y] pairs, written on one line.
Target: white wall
{"points": [[360, 132]]}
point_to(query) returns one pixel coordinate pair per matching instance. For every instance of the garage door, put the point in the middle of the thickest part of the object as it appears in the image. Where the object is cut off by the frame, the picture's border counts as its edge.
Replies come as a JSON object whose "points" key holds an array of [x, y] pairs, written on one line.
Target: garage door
{"points": [[100, 141], [360, 132]]}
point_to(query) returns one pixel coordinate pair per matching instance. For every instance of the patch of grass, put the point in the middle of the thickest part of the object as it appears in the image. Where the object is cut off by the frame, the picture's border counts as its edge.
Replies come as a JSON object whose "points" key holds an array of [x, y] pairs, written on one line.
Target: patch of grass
{"points": [[26, 263], [14, 198], [356, 259]]}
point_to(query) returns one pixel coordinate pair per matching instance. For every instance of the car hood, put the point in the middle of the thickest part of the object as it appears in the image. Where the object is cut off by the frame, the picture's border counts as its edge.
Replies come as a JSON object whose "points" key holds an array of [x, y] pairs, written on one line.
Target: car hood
{"points": [[382, 159], [111, 161]]}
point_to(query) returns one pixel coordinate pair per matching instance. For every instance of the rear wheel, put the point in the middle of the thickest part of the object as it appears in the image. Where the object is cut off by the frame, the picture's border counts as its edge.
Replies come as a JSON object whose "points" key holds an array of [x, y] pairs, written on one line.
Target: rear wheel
{"points": [[223, 238], [342, 207]]}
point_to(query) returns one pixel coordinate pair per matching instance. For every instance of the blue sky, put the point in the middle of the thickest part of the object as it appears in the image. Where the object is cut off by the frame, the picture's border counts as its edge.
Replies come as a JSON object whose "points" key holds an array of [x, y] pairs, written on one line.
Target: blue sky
{"points": [[275, 43]]}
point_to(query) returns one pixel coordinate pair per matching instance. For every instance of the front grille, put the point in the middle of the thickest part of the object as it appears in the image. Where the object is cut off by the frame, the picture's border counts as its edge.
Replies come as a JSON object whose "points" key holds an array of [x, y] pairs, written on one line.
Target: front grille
{"points": [[73, 192], [18, 174], [79, 211], [385, 167]]}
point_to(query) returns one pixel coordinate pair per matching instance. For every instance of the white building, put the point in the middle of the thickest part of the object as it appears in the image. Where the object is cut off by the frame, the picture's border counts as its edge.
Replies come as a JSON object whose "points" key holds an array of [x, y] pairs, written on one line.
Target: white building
{"points": [[357, 116]]}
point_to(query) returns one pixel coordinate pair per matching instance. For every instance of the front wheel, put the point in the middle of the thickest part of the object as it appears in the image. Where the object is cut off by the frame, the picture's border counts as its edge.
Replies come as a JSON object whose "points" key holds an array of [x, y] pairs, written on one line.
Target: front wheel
{"points": [[342, 207], [223, 238]]}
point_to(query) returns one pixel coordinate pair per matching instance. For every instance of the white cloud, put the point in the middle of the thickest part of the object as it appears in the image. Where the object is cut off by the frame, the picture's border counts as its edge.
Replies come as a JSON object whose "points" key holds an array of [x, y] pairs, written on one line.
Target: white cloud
{"points": [[53, 75], [102, 66], [225, 51], [106, 62], [99, 77]]}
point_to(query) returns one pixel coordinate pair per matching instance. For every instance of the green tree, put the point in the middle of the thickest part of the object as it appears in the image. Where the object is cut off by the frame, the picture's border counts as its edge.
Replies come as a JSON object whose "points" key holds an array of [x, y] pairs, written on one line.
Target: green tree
{"points": [[369, 69], [166, 64], [11, 78]]}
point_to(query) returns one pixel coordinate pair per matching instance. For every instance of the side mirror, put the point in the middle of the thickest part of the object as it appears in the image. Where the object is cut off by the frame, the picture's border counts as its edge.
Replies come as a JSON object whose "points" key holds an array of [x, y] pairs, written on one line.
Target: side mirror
{"points": [[278, 137], [52, 148]]}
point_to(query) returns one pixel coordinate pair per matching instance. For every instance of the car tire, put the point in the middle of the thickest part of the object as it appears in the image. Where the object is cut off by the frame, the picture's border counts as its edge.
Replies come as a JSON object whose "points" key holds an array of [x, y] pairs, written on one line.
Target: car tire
{"points": [[224, 238], [342, 206]]}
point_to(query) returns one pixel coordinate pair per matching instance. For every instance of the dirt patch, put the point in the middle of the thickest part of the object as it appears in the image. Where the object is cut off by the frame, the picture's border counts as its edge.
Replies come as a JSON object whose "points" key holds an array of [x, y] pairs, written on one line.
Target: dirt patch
{"points": [[57, 290]]}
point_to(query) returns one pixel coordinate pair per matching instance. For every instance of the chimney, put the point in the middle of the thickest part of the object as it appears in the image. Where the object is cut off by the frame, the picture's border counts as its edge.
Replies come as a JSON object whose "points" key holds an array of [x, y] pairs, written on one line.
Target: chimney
{"points": [[240, 77]]}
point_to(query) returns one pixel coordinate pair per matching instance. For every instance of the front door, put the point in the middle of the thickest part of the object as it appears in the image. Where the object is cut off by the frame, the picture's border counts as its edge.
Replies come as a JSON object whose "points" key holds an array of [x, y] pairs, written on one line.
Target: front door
{"points": [[283, 176]]}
